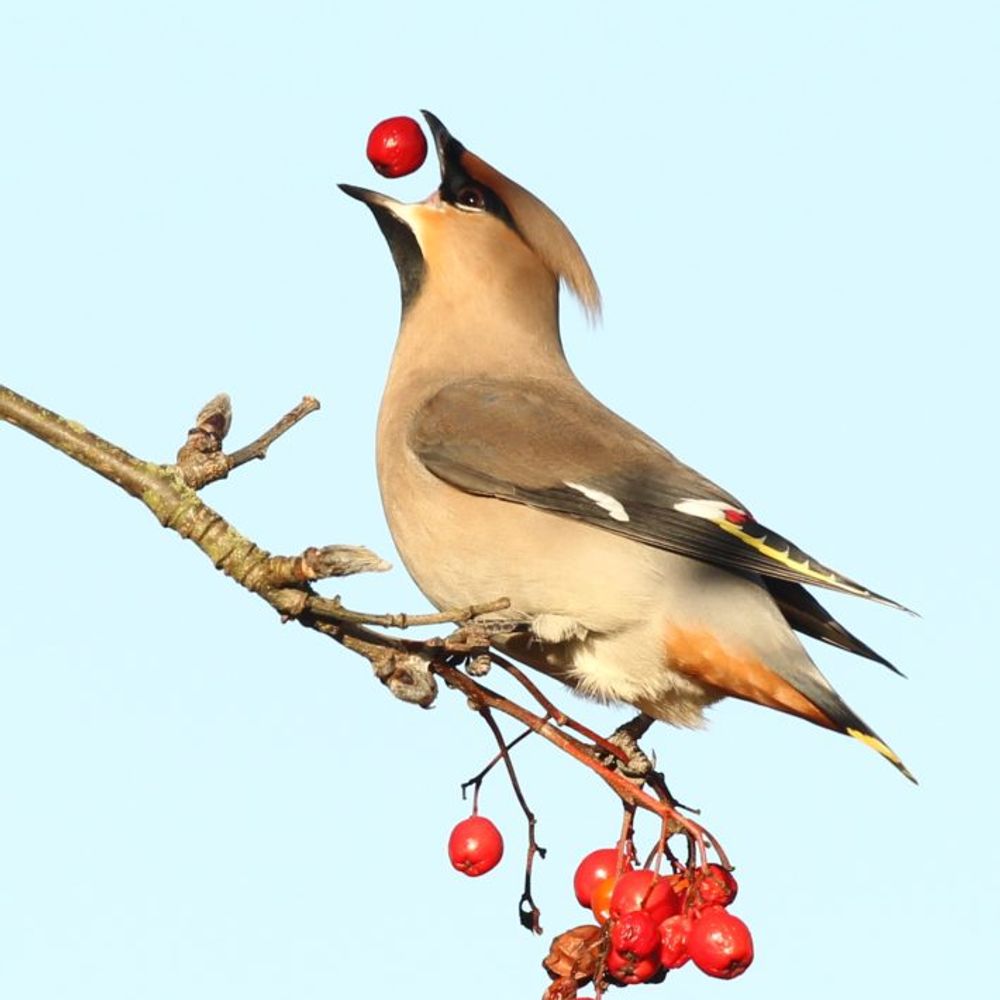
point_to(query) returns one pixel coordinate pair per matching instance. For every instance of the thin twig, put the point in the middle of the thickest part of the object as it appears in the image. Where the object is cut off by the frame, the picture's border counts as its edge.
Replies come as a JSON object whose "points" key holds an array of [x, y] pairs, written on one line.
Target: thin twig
{"points": [[201, 460], [330, 609], [258, 447], [527, 910], [627, 790], [477, 779], [626, 847], [550, 710], [560, 718]]}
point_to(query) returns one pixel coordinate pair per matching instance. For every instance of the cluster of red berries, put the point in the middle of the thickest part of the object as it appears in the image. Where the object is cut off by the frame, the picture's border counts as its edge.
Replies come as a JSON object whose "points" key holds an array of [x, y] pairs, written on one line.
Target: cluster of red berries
{"points": [[649, 923], [658, 923]]}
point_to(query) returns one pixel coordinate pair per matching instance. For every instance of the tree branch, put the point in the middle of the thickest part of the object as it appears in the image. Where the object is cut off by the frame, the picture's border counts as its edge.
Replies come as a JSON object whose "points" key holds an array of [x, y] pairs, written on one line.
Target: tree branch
{"points": [[407, 667]]}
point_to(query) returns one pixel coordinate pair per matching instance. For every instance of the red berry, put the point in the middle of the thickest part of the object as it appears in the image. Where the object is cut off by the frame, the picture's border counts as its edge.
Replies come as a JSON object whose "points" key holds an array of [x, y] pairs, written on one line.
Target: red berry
{"points": [[475, 846], [674, 933], [631, 970], [635, 935], [643, 890], [720, 944], [714, 886], [595, 867], [600, 898], [397, 147]]}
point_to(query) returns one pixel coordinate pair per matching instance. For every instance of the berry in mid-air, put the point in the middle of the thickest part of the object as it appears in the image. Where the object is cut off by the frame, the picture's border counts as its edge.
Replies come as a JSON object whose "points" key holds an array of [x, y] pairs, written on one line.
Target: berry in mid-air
{"points": [[397, 147]]}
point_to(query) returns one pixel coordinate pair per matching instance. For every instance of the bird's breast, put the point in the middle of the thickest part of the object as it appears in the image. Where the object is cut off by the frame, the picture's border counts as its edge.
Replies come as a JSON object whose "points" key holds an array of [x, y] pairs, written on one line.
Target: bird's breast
{"points": [[461, 548]]}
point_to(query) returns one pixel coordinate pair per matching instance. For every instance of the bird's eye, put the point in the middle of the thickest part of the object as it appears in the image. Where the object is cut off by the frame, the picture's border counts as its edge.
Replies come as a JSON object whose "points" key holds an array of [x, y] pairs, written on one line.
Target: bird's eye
{"points": [[471, 197]]}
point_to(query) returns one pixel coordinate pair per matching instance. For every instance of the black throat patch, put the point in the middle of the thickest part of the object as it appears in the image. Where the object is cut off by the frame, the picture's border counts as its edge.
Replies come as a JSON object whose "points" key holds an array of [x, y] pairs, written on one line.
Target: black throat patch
{"points": [[405, 252]]}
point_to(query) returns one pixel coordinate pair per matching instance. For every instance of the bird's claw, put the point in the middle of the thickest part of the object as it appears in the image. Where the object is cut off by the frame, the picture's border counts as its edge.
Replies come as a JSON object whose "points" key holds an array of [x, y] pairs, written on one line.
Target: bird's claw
{"points": [[626, 737], [476, 637]]}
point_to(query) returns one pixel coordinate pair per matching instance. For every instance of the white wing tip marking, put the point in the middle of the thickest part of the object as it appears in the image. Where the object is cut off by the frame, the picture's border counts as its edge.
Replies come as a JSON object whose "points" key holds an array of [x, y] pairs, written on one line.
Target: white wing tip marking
{"points": [[614, 508], [713, 510], [710, 510]]}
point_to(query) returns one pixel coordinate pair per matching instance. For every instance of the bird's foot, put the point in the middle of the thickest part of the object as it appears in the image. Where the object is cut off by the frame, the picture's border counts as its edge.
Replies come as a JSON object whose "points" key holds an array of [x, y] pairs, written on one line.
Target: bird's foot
{"points": [[626, 737], [472, 642]]}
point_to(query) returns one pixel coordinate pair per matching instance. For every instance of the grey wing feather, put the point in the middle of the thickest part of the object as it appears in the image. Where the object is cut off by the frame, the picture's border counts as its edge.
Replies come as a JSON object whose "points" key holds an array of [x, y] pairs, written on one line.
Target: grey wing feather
{"points": [[555, 447]]}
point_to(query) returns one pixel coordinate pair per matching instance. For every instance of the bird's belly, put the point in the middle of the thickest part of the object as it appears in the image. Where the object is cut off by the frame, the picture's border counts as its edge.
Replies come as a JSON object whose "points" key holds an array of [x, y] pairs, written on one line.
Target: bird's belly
{"points": [[463, 549], [627, 666]]}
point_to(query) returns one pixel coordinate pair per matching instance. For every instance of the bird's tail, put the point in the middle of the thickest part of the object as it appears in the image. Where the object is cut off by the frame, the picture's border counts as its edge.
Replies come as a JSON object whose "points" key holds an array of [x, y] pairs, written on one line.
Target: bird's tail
{"points": [[832, 712]]}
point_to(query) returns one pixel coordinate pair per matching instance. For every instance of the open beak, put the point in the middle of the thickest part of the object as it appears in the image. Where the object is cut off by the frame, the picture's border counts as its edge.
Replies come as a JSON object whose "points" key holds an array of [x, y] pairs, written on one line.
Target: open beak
{"points": [[371, 198], [449, 150]]}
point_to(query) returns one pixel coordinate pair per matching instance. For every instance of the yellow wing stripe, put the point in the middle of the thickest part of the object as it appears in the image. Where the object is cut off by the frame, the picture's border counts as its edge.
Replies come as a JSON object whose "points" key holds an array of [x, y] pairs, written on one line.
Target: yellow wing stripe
{"points": [[783, 556]]}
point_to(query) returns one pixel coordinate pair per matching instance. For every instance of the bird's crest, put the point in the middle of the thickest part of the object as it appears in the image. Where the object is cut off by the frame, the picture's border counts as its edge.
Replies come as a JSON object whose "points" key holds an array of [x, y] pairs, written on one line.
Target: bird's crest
{"points": [[542, 230]]}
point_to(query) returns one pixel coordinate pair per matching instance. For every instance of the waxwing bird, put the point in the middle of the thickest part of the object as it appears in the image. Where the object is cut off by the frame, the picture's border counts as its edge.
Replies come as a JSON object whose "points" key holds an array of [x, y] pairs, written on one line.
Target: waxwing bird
{"points": [[633, 578]]}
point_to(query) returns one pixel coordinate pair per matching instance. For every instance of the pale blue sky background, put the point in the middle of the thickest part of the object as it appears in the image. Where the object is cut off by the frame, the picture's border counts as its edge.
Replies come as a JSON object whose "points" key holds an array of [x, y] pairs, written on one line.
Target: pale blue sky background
{"points": [[793, 213]]}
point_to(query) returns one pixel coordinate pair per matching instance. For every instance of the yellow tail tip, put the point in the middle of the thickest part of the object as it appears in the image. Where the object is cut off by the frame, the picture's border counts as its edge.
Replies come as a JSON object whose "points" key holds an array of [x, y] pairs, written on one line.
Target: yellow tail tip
{"points": [[879, 747]]}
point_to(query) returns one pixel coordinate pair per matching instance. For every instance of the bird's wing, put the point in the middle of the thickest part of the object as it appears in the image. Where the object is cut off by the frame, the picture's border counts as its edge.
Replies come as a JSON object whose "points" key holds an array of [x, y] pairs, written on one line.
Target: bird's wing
{"points": [[806, 615], [552, 446]]}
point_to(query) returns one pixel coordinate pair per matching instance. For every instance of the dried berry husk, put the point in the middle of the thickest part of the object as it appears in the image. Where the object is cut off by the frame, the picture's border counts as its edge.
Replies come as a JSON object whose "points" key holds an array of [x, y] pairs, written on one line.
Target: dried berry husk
{"points": [[561, 989], [574, 954]]}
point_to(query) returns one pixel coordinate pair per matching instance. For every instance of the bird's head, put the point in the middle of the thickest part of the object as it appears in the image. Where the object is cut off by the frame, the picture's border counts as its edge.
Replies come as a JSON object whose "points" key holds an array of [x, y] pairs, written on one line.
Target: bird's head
{"points": [[479, 237]]}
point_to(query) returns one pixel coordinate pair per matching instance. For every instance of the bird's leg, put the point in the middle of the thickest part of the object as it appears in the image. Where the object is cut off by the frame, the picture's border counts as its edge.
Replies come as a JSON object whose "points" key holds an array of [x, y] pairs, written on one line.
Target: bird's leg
{"points": [[627, 737], [635, 728], [638, 765], [484, 630], [472, 641], [640, 769]]}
